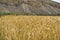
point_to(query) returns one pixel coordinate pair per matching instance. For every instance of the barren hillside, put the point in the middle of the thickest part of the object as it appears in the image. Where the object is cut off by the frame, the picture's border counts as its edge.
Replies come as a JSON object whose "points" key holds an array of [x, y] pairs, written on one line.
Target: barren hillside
{"points": [[38, 7]]}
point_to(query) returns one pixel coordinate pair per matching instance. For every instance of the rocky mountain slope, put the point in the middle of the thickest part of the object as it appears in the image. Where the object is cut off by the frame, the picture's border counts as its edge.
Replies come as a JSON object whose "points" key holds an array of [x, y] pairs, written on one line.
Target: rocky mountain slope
{"points": [[38, 7]]}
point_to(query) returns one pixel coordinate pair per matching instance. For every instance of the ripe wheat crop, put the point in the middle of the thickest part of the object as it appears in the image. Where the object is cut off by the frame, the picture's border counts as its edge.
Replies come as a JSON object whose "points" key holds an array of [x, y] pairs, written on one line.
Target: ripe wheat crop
{"points": [[29, 27]]}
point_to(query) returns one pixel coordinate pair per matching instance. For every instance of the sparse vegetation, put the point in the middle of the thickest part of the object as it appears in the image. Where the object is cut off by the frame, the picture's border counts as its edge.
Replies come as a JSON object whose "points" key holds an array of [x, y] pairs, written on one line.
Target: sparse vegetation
{"points": [[31, 6], [29, 27]]}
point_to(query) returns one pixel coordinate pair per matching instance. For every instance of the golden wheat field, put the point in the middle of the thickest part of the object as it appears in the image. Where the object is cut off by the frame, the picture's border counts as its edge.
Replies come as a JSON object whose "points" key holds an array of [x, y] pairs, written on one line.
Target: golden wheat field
{"points": [[29, 27]]}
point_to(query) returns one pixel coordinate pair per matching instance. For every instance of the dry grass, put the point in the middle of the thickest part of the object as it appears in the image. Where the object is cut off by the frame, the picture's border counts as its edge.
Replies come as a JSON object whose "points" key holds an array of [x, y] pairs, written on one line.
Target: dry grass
{"points": [[29, 28]]}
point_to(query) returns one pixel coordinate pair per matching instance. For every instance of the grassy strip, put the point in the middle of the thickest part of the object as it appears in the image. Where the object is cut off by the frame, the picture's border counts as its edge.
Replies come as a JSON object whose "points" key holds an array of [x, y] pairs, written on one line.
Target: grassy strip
{"points": [[30, 27]]}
